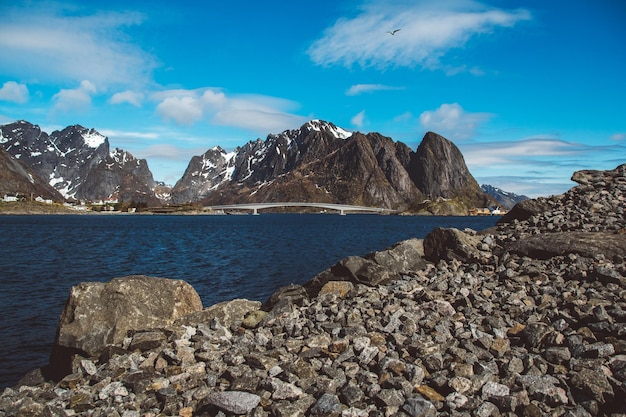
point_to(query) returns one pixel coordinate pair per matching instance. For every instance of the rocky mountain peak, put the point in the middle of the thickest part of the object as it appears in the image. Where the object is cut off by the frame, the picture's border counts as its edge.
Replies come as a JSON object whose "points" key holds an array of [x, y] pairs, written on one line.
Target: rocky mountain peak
{"points": [[76, 161], [440, 169]]}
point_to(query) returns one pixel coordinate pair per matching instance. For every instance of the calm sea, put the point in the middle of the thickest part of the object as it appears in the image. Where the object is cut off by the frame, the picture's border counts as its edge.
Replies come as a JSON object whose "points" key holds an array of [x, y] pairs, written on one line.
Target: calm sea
{"points": [[223, 257]]}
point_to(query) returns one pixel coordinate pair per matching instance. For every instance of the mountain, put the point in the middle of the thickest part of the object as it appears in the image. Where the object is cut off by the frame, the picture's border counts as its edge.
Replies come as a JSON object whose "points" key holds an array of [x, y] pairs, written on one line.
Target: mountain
{"points": [[16, 177], [78, 163], [505, 198], [323, 163]]}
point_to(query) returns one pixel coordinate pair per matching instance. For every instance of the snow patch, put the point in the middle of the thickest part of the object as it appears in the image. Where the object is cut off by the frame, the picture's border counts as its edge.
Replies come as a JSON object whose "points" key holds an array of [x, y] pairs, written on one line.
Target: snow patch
{"points": [[93, 139]]}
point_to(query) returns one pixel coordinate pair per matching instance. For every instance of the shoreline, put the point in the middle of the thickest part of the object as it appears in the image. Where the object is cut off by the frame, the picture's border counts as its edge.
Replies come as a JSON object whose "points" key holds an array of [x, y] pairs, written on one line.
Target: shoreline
{"points": [[525, 318]]}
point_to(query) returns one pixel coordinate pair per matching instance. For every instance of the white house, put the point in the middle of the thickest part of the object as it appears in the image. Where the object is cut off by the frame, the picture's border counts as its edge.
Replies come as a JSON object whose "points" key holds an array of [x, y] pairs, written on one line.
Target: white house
{"points": [[9, 198]]}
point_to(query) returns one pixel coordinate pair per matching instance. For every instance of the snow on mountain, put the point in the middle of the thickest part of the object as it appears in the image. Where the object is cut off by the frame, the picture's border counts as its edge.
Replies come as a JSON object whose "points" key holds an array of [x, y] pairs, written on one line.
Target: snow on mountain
{"points": [[76, 161], [320, 126], [506, 198], [93, 139]]}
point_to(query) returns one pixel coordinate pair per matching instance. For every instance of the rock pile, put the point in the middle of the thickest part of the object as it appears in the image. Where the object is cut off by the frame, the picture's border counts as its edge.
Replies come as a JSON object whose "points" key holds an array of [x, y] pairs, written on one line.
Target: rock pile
{"points": [[525, 319]]}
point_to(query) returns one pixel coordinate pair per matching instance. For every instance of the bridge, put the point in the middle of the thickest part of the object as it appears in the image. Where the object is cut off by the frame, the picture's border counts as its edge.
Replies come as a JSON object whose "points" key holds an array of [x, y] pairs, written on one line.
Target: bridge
{"points": [[342, 208]]}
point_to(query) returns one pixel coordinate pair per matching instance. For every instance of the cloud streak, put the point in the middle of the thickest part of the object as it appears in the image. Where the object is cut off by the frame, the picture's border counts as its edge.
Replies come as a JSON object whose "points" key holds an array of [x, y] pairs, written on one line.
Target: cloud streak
{"points": [[429, 30], [257, 113], [72, 47], [369, 88], [542, 151], [450, 120]]}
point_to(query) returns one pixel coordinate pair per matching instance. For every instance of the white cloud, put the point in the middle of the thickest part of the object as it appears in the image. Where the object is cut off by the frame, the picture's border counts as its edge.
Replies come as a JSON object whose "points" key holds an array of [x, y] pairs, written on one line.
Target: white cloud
{"points": [[358, 119], [429, 30], [46, 43], [261, 114], [618, 136], [529, 149], [368, 88], [12, 91], [184, 110], [451, 121], [131, 97], [538, 165], [75, 99]]}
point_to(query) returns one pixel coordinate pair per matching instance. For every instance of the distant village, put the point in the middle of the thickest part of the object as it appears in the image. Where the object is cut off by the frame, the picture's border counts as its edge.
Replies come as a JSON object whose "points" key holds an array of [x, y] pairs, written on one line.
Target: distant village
{"points": [[108, 204]]}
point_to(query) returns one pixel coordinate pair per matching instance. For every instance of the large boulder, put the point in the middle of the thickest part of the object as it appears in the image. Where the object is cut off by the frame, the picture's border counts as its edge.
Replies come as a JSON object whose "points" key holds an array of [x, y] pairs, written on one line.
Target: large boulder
{"points": [[588, 244], [402, 257], [98, 314], [355, 269], [449, 243], [525, 209]]}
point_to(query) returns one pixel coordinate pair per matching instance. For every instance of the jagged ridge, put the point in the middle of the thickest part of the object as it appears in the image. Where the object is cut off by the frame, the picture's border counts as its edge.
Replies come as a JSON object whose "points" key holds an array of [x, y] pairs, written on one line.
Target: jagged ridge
{"points": [[78, 164]]}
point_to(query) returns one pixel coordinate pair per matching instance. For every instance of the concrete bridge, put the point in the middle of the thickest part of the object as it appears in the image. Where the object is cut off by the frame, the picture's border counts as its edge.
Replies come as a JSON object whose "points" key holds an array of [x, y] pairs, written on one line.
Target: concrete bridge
{"points": [[342, 208]]}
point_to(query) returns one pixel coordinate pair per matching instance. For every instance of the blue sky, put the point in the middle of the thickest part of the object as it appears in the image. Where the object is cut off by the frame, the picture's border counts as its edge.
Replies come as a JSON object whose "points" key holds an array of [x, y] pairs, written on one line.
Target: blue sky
{"points": [[530, 91]]}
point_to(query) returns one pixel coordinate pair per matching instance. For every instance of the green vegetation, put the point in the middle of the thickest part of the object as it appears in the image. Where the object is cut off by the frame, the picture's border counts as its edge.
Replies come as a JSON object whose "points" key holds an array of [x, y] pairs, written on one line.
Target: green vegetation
{"points": [[33, 207]]}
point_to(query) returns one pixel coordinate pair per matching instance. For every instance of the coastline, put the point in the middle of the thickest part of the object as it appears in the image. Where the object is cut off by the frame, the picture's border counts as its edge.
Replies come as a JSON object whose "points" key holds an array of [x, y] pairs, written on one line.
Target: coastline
{"points": [[525, 318]]}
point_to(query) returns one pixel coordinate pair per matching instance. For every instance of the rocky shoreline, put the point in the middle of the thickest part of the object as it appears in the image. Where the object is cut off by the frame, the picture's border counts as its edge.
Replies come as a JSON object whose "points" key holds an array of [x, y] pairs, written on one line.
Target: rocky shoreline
{"points": [[524, 319]]}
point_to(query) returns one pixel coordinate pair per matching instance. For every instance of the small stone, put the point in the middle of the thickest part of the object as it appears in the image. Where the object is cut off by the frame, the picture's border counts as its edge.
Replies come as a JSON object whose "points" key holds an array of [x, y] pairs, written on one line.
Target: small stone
{"points": [[494, 389], [253, 318], [327, 405], [88, 367], [487, 409], [456, 400], [557, 355], [236, 402], [544, 388], [339, 288], [429, 393], [185, 412], [592, 382], [419, 407], [460, 384], [390, 397]]}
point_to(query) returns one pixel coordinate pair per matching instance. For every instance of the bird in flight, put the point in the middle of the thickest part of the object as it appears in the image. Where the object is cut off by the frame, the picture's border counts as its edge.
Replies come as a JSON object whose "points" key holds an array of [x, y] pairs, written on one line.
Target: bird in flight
{"points": [[393, 32]]}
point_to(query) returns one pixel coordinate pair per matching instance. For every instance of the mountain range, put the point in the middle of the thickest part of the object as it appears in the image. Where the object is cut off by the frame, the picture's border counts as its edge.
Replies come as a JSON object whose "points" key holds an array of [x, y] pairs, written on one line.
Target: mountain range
{"points": [[318, 162], [505, 198]]}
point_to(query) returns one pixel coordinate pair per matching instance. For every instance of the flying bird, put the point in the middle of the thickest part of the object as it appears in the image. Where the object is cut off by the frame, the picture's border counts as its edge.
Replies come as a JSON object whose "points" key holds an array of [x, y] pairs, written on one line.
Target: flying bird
{"points": [[393, 32]]}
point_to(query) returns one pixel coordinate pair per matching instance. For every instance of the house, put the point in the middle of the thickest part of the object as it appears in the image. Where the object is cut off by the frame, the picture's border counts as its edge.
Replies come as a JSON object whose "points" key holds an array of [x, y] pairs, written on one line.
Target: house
{"points": [[9, 198], [40, 199]]}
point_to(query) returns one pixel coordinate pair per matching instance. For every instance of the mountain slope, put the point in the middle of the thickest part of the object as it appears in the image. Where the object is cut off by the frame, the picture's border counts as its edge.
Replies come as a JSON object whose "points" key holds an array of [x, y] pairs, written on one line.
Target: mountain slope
{"points": [[16, 177], [323, 163], [440, 170], [77, 162], [505, 198]]}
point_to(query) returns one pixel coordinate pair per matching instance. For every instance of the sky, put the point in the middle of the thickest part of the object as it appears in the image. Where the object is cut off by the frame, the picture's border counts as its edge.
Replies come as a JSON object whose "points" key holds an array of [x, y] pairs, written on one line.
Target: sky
{"points": [[529, 91]]}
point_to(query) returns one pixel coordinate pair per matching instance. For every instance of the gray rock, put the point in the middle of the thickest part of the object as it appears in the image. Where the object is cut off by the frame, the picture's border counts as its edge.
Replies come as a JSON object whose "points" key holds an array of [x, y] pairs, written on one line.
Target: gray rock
{"points": [[236, 402], [588, 244], [402, 257], [97, 314], [327, 405], [419, 407], [592, 383], [450, 244]]}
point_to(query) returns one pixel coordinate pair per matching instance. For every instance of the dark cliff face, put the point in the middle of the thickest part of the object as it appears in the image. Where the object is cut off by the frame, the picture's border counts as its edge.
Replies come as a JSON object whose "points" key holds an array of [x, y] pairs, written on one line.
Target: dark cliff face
{"points": [[16, 177], [438, 169], [77, 162]]}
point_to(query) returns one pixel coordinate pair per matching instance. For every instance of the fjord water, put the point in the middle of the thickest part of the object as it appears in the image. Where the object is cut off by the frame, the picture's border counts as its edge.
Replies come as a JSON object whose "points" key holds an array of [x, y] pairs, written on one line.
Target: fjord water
{"points": [[222, 257]]}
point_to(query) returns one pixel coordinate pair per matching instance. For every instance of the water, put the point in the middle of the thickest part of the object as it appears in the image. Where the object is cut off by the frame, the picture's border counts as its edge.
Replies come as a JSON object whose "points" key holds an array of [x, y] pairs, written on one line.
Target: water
{"points": [[222, 257]]}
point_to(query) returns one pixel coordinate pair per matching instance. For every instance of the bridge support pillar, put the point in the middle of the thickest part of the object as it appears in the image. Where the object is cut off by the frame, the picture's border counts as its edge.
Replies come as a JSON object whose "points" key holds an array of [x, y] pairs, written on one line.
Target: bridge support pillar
{"points": [[255, 212], [342, 213]]}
